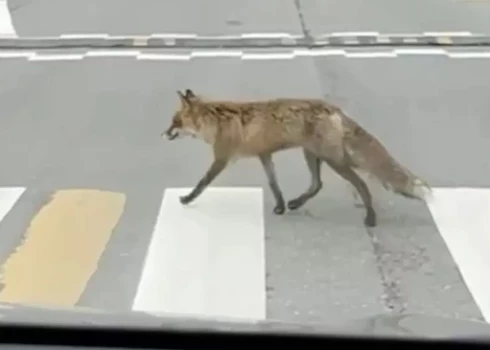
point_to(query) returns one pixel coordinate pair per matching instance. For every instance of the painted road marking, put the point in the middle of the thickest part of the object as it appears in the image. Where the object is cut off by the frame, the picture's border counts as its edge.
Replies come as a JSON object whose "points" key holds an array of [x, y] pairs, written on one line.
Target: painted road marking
{"points": [[115, 53], [8, 197], [18, 54], [174, 35], [469, 54], [245, 55], [59, 57], [207, 259], [62, 246], [353, 34], [320, 52], [389, 54], [447, 34], [84, 36], [267, 56], [6, 25], [163, 57], [421, 51], [216, 53], [462, 216], [266, 35]]}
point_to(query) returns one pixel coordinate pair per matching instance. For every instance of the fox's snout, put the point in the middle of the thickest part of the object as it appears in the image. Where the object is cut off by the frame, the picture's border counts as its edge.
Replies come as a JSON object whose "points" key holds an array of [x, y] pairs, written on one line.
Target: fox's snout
{"points": [[177, 131], [172, 132]]}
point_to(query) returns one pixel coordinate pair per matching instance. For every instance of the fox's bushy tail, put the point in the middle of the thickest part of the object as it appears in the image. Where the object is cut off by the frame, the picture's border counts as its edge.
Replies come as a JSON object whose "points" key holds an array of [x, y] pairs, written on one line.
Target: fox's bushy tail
{"points": [[366, 153], [403, 182]]}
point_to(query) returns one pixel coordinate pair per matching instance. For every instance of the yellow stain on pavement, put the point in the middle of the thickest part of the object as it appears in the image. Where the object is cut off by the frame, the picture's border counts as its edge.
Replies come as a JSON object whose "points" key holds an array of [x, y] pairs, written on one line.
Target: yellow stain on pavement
{"points": [[444, 40], [61, 248]]}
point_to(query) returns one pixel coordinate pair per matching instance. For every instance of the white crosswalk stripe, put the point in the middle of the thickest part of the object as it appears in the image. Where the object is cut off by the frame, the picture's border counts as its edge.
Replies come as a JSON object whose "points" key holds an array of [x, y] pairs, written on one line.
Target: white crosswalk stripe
{"points": [[462, 216], [207, 259], [6, 26]]}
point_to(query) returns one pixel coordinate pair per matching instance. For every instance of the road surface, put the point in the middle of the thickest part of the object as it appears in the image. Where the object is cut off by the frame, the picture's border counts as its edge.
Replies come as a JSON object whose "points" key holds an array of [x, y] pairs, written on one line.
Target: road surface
{"points": [[226, 17], [84, 173], [152, 16], [396, 16], [89, 211]]}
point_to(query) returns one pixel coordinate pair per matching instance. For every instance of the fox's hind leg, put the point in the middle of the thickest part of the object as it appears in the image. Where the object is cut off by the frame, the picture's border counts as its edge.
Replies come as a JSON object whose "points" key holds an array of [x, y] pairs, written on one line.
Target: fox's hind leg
{"points": [[350, 175], [314, 166], [268, 165]]}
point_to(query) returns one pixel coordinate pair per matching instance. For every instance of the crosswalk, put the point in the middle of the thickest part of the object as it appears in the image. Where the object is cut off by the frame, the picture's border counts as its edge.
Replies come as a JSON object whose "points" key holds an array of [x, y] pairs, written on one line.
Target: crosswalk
{"points": [[207, 259], [462, 216], [6, 27], [200, 259]]}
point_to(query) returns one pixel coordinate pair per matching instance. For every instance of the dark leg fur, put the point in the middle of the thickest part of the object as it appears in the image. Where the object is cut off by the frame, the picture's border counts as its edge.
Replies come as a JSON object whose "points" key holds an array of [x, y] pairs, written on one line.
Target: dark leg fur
{"points": [[314, 166], [350, 175], [268, 165], [215, 169]]}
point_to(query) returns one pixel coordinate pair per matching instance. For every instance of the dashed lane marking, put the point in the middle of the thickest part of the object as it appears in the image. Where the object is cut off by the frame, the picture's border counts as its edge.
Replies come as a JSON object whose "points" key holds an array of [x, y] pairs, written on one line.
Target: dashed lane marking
{"points": [[34, 56]]}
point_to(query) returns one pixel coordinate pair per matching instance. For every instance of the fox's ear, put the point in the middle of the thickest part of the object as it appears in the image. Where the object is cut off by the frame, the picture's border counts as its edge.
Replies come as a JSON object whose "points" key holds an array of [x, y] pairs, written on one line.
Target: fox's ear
{"points": [[188, 98], [183, 98], [189, 94]]}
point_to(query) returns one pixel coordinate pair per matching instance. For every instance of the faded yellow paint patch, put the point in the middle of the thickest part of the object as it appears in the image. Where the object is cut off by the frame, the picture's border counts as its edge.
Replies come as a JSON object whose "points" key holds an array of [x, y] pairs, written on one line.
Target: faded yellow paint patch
{"points": [[444, 40], [140, 41], [62, 247]]}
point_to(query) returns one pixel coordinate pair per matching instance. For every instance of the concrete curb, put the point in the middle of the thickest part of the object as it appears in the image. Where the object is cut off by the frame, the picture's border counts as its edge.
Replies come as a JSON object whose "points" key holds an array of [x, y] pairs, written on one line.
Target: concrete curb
{"points": [[223, 42]]}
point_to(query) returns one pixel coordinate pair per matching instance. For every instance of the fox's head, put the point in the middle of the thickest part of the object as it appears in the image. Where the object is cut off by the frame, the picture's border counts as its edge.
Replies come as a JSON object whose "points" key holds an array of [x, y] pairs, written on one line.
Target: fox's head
{"points": [[183, 121]]}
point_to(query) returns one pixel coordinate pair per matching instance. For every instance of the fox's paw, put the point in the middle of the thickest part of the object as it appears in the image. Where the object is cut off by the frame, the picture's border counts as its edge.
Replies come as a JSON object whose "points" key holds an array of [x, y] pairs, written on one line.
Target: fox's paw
{"points": [[294, 204], [370, 219], [279, 209], [186, 199]]}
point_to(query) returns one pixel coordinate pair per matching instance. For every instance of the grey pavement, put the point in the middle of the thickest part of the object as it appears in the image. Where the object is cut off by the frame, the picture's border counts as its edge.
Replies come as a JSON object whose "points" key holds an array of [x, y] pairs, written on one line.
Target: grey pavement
{"points": [[142, 17], [396, 16], [96, 123], [229, 17]]}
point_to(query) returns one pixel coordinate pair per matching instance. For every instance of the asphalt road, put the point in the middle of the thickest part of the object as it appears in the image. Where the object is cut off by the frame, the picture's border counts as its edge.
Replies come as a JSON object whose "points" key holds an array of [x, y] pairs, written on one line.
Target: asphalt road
{"points": [[144, 17], [95, 124], [396, 16], [127, 17]]}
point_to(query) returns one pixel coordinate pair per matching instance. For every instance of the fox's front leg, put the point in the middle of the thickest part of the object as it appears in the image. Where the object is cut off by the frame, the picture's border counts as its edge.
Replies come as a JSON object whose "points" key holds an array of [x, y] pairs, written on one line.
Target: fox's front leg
{"points": [[268, 165], [216, 168]]}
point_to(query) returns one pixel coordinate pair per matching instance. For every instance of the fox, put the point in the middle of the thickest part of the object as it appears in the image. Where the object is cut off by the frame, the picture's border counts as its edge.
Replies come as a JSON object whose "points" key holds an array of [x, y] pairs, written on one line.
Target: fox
{"points": [[325, 133]]}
